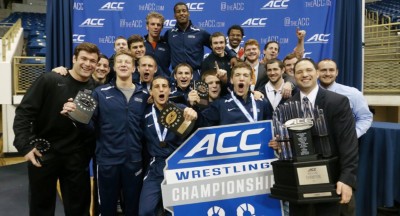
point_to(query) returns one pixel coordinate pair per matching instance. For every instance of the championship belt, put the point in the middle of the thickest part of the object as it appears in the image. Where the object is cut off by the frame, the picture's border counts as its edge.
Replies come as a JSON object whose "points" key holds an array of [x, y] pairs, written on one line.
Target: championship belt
{"points": [[172, 118], [85, 106], [43, 146], [202, 91]]}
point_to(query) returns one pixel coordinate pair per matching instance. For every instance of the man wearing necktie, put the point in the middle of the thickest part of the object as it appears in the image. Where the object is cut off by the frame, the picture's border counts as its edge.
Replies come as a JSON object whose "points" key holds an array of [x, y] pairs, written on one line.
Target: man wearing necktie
{"points": [[342, 137]]}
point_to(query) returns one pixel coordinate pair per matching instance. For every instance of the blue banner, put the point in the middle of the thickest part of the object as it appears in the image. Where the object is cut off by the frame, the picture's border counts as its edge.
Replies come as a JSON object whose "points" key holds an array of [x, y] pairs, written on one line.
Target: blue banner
{"points": [[224, 170], [101, 21]]}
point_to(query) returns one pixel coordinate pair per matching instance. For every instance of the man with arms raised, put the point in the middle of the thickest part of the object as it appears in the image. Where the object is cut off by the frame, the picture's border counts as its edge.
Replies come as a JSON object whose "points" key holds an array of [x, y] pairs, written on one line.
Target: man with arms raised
{"points": [[38, 116]]}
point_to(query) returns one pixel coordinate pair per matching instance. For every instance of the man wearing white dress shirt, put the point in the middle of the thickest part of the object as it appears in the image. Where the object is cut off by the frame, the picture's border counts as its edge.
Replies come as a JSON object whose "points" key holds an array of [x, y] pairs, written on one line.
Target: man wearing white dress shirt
{"points": [[363, 117], [274, 87]]}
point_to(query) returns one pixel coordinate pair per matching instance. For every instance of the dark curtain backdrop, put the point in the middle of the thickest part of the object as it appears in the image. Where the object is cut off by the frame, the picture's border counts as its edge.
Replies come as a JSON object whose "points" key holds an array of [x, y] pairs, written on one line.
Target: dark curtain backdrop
{"points": [[347, 49], [59, 33], [348, 42]]}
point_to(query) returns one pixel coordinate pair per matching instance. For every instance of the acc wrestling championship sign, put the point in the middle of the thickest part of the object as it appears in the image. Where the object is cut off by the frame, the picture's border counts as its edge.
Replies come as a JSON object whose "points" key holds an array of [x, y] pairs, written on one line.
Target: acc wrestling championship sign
{"points": [[224, 170]]}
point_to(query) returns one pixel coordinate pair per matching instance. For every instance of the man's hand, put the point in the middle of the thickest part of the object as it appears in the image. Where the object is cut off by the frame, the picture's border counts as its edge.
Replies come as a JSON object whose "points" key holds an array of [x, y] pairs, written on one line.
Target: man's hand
{"points": [[300, 34], [258, 95], [274, 144], [69, 106], [221, 74], [30, 156], [193, 97], [233, 61], [287, 90], [345, 191], [60, 70], [189, 114]]}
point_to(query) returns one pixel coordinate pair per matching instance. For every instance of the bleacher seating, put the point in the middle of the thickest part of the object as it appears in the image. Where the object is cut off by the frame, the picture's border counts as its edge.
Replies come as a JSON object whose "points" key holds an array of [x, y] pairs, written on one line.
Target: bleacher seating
{"points": [[388, 8], [34, 30]]}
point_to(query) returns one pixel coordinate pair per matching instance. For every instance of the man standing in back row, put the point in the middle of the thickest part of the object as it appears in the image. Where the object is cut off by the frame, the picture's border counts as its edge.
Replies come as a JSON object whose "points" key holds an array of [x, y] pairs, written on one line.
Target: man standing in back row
{"points": [[187, 41]]}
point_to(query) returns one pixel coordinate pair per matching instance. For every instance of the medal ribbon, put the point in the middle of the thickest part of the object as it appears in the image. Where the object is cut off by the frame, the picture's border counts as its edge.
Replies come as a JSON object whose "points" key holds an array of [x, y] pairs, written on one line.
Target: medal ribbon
{"points": [[157, 126], [244, 111]]}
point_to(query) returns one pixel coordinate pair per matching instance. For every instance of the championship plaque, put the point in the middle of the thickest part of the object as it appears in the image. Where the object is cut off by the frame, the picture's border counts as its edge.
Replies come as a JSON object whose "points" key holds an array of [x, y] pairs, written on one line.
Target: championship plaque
{"points": [[172, 118], [85, 106], [43, 146], [202, 91], [306, 172]]}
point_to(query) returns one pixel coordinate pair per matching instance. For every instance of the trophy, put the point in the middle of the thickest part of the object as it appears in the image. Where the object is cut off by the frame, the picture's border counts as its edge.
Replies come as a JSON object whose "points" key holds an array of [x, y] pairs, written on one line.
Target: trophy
{"points": [[43, 146], [305, 172], [172, 118], [202, 90], [85, 106]]}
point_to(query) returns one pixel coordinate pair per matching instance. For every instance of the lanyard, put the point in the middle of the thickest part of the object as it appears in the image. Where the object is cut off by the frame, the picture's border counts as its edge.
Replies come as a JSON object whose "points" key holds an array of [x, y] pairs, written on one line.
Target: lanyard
{"points": [[157, 126], [244, 111]]}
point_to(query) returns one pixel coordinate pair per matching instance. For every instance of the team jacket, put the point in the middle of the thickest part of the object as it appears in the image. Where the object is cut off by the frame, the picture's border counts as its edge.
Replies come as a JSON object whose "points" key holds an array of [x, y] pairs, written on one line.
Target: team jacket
{"points": [[161, 54], [225, 111], [187, 46], [117, 123]]}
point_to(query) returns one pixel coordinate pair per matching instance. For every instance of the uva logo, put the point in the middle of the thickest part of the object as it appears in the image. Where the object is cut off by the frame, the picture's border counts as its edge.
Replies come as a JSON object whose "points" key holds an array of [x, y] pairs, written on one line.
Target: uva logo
{"points": [[319, 38], [113, 6], [212, 145], [93, 22], [195, 6], [255, 22], [276, 4], [77, 38], [169, 23]]}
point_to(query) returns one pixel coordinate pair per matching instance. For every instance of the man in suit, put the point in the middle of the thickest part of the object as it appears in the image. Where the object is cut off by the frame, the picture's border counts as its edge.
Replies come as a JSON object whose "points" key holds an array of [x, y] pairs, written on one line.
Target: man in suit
{"points": [[342, 136]]}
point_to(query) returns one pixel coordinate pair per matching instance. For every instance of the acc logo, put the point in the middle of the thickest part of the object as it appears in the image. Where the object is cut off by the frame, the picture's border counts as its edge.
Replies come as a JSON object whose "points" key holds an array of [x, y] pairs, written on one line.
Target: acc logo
{"points": [[319, 38], [92, 22], [276, 4], [169, 23], [77, 38], [211, 143], [255, 22], [113, 6], [196, 6]]}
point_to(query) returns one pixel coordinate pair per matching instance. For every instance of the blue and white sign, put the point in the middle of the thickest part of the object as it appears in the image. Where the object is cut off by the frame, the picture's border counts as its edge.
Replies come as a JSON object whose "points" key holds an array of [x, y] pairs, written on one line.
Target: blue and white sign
{"points": [[224, 170]]}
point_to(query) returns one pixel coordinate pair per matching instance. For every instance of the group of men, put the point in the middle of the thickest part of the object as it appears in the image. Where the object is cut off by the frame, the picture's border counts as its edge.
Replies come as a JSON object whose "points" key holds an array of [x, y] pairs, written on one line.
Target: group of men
{"points": [[133, 87]]}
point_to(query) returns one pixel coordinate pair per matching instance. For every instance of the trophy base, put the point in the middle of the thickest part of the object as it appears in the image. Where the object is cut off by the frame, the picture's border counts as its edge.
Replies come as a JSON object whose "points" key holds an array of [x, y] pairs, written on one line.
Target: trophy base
{"points": [[304, 195], [306, 182]]}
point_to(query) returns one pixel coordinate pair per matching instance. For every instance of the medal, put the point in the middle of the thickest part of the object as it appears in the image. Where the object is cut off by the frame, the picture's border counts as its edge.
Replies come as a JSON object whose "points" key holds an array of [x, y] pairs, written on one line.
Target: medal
{"points": [[163, 144]]}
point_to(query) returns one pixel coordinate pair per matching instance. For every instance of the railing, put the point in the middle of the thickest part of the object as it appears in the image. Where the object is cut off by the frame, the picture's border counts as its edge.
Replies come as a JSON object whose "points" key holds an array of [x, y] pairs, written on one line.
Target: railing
{"points": [[26, 70], [8, 38], [382, 57]]}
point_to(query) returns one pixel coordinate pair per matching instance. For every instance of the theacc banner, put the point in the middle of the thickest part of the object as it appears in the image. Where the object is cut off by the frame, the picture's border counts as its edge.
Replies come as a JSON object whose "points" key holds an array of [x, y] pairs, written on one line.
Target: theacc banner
{"points": [[220, 171], [101, 21]]}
